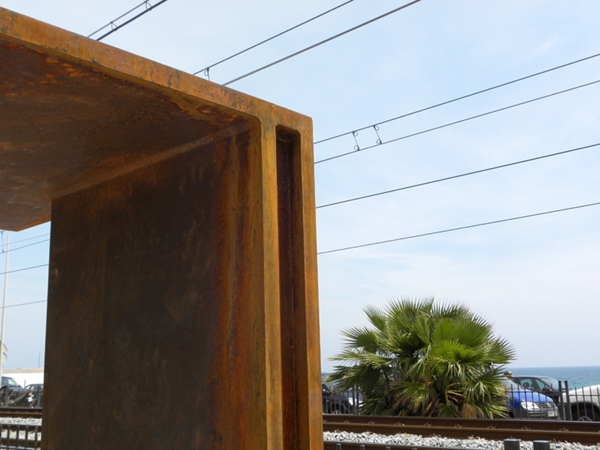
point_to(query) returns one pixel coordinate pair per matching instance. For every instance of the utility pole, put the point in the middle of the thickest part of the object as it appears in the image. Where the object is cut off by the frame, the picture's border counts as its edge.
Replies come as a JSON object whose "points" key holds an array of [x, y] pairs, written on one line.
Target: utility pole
{"points": [[6, 250]]}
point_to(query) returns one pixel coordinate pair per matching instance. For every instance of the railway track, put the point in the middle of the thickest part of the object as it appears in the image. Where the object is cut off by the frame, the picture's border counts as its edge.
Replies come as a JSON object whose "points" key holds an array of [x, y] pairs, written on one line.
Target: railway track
{"points": [[587, 433], [25, 413]]}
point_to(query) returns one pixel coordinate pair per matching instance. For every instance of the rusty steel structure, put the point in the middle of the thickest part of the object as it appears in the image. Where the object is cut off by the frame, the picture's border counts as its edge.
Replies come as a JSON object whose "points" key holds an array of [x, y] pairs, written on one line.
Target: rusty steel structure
{"points": [[182, 304]]}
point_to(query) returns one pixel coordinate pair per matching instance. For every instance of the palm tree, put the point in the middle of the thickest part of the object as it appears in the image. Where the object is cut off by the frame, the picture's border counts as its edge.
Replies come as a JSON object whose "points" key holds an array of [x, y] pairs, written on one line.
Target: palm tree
{"points": [[425, 359]]}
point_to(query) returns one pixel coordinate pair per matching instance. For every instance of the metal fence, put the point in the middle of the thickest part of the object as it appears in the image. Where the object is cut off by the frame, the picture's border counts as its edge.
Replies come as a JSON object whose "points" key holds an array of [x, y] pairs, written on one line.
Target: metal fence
{"points": [[11, 396], [20, 437], [580, 403], [562, 403]]}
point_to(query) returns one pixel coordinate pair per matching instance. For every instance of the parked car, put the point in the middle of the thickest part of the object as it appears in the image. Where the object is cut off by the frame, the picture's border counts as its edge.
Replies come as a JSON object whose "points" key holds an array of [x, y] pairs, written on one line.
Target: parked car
{"points": [[13, 394], [37, 393], [526, 404], [335, 402], [539, 383], [584, 403]]}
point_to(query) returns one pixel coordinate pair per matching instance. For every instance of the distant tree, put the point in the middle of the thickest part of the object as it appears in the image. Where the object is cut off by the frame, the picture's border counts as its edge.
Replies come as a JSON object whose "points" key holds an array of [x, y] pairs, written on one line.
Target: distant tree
{"points": [[425, 359]]}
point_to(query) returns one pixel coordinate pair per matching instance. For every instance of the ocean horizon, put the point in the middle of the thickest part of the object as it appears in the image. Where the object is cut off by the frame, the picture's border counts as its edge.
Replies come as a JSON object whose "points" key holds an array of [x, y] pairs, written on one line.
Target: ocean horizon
{"points": [[577, 376]]}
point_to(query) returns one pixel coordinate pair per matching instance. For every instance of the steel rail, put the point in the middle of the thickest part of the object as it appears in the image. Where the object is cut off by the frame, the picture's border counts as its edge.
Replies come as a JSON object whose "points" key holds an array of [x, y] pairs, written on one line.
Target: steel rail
{"points": [[498, 429], [474, 423], [25, 413]]}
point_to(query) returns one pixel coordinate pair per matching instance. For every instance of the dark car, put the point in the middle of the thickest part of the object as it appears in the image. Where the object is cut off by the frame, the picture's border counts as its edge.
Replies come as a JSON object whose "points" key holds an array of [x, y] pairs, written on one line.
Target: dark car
{"points": [[539, 383], [37, 394], [335, 402], [526, 404], [13, 394]]}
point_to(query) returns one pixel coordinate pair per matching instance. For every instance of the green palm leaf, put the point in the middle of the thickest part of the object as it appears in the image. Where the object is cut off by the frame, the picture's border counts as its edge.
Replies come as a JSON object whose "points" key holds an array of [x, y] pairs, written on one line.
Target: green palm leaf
{"points": [[424, 358]]}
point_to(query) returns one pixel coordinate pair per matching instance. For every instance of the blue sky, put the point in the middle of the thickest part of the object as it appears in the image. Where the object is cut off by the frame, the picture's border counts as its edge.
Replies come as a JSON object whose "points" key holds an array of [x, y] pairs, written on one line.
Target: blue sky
{"points": [[536, 279]]}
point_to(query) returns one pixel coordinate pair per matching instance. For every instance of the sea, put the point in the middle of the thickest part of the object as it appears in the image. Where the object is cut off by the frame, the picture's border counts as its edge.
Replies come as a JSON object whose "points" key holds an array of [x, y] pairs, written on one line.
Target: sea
{"points": [[577, 376]]}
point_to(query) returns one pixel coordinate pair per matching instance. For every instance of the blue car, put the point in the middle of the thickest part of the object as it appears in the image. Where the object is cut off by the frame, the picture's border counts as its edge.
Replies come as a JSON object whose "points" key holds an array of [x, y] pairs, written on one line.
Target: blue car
{"points": [[526, 404]]}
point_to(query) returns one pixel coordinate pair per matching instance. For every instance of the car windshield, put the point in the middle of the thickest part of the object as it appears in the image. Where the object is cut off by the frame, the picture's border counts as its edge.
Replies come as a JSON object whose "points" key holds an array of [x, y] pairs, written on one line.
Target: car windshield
{"points": [[512, 385], [8, 381], [549, 382]]}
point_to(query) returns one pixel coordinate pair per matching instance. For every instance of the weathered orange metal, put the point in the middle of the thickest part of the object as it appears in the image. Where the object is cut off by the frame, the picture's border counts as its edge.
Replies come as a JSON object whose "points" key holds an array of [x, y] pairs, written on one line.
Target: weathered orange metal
{"points": [[182, 307]]}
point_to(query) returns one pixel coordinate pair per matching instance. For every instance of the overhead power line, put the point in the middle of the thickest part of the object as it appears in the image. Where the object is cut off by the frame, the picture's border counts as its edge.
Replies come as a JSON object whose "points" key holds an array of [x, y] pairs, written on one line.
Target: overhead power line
{"points": [[321, 43], [24, 304], [28, 239], [207, 68], [453, 177], [24, 268], [113, 27], [379, 143], [25, 246], [457, 99], [459, 228]]}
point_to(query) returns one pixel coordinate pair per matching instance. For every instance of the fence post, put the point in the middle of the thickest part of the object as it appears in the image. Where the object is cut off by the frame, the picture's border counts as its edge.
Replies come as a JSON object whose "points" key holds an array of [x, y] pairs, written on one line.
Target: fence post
{"points": [[568, 411], [541, 445], [512, 444]]}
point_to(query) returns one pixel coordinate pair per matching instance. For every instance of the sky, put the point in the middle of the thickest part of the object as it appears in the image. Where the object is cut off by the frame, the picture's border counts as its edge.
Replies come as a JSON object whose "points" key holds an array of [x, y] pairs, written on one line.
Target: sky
{"points": [[535, 279]]}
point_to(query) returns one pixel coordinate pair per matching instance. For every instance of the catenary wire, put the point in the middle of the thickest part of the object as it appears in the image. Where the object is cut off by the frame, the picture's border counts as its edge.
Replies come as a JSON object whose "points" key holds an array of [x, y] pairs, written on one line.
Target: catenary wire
{"points": [[24, 246], [146, 3], [453, 177], [457, 99], [406, 136], [537, 158], [24, 268], [414, 236], [28, 239], [321, 43], [23, 304], [207, 68]]}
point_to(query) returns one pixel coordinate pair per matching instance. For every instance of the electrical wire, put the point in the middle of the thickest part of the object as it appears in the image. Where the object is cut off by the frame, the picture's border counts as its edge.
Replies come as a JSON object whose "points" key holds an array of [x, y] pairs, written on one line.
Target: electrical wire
{"points": [[28, 239], [23, 304], [457, 99], [25, 268], [459, 228], [321, 43], [380, 143], [453, 177], [146, 3], [24, 246], [207, 68]]}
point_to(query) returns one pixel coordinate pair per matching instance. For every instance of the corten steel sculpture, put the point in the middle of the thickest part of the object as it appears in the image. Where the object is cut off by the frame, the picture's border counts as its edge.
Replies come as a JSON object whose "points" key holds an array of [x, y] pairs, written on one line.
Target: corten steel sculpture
{"points": [[182, 306]]}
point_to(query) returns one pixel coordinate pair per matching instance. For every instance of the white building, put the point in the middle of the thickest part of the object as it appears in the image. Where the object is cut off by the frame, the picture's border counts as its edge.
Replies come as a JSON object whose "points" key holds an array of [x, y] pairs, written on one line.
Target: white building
{"points": [[25, 376]]}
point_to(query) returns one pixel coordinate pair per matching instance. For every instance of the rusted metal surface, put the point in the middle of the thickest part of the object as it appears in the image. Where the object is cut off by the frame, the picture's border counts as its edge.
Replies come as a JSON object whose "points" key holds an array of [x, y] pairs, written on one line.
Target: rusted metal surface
{"points": [[182, 306], [27, 413], [75, 111]]}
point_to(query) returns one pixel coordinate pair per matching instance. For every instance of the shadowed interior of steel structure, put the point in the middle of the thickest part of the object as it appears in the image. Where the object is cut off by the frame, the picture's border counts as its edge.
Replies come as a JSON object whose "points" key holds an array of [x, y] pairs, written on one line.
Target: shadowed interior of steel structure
{"points": [[182, 298]]}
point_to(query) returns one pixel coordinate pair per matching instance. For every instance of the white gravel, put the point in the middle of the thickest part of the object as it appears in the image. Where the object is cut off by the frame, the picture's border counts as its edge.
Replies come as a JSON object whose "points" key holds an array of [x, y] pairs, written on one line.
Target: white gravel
{"points": [[19, 421], [397, 439], [417, 440]]}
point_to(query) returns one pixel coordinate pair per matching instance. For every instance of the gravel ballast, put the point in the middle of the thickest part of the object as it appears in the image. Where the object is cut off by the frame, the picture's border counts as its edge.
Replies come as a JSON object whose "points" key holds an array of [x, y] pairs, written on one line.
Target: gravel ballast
{"points": [[419, 441], [19, 421], [397, 439]]}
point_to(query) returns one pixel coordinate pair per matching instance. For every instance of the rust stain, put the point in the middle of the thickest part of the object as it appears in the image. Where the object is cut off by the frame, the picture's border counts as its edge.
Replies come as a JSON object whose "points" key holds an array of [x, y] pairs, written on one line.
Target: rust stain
{"points": [[186, 302]]}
